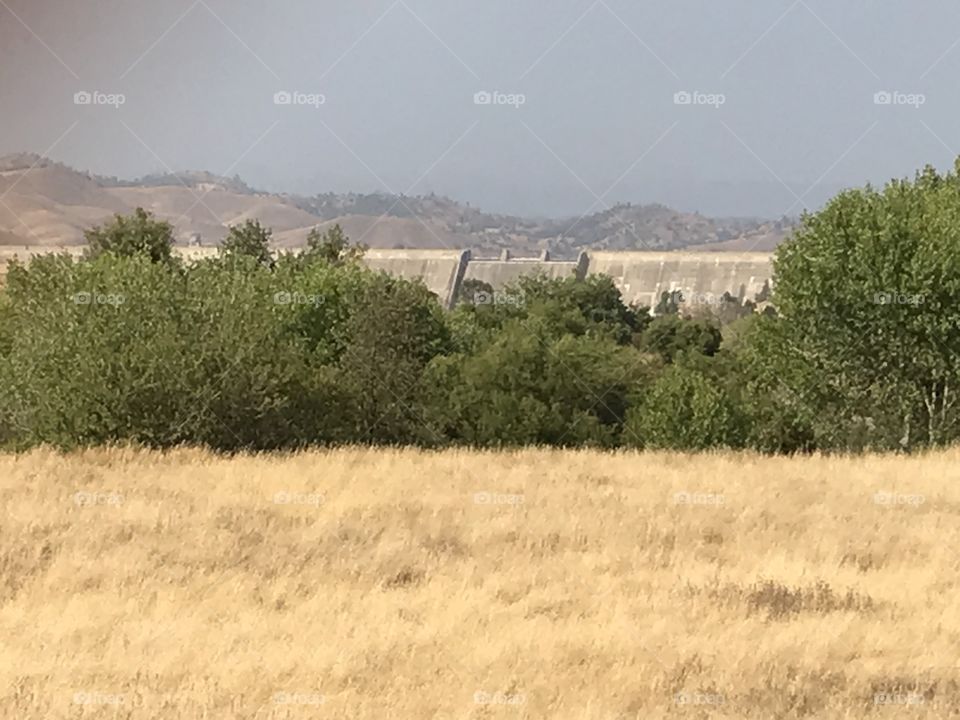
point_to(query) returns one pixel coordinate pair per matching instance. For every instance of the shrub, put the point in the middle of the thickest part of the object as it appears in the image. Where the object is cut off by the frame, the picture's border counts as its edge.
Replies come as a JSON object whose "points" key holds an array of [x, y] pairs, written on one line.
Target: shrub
{"points": [[332, 246], [250, 240], [526, 387], [867, 292], [670, 336], [133, 235], [393, 329], [683, 410]]}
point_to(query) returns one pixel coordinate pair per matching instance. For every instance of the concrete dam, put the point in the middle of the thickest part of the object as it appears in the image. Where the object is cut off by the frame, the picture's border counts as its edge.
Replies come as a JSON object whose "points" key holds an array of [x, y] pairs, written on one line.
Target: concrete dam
{"points": [[641, 277]]}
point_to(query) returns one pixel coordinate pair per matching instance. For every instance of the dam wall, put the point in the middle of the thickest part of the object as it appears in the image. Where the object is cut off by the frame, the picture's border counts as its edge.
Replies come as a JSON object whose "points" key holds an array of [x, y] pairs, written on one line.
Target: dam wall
{"points": [[507, 270], [442, 271], [640, 276]]}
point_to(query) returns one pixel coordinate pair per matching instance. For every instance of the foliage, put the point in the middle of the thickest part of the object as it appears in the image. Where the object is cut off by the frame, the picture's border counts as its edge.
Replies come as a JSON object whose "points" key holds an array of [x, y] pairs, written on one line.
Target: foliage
{"points": [[244, 352], [473, 291], [671, 335], [331, 246], [526, 387], [394, 329], [250, 240], [132, 235], [669, 303], [683, 410], [868, 294]]}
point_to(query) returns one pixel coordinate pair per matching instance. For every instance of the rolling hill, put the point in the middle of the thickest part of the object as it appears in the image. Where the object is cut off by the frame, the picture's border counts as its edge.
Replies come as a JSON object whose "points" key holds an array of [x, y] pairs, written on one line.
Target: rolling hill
{"points": [[46, 203]]}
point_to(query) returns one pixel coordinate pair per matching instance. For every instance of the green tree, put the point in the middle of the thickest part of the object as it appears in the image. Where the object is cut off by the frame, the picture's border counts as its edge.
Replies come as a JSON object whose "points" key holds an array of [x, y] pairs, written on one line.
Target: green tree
{"points": [[724, 309], [868, 338], [250, 240], [669, 303], [332, 246], [473, 291], [526, 386], [684, 410], [782, 399], [597, 300], [672, 335], [93, 351], [592, 307], [121, 349], [132, 235], [393, 330]]}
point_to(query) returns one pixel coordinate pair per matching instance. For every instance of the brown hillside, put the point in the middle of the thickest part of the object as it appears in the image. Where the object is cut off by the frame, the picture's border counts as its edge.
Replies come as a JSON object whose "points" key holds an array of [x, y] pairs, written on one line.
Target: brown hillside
{"points": [[45, 203], [385, 232]]}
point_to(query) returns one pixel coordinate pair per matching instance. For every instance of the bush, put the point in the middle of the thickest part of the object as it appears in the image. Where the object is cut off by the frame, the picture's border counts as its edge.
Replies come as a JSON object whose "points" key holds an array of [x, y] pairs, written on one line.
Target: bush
{"points": [[684, 410], [232, 355], [244, 352], [134, 235], [392, 331], [526, 387], [91, 360], [251, 241], [332, 247], [868, 295], [670, 336]]}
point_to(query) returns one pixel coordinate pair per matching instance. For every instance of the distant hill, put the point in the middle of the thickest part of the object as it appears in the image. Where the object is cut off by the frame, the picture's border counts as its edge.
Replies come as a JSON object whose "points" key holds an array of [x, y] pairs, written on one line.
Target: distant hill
{"points": [[47, 203]]}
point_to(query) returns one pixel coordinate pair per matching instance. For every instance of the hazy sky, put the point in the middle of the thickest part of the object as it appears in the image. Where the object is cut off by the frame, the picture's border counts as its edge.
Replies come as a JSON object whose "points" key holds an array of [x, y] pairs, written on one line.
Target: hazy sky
{"points": [[786, 113]]}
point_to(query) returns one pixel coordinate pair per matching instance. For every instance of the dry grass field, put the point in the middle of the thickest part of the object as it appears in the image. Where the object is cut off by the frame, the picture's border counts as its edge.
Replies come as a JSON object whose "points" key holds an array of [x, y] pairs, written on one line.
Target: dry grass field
{"points": [[538, 584]]}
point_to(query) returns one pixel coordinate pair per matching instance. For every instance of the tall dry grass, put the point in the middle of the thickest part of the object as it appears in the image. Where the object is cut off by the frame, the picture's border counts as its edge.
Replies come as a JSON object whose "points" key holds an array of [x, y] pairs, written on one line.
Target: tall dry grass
{"points": [[537, 584]]}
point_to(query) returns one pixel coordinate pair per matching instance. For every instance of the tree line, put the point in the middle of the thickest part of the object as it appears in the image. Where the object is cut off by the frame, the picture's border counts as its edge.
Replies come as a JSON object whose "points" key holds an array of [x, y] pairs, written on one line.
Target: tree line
{"points": [[251, 351]]}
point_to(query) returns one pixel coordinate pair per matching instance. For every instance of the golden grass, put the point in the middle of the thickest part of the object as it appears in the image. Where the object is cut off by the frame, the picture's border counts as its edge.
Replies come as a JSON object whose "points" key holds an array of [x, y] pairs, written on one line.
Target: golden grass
{"points": [[538, 584]]}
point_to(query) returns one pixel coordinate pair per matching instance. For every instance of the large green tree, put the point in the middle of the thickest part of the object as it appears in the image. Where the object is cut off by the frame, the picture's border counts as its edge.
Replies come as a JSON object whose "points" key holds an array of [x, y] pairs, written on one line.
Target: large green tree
{"points": [[867, 346], [332, 246], [250, 240], [671, 335], [528, 385], [132, 235]]}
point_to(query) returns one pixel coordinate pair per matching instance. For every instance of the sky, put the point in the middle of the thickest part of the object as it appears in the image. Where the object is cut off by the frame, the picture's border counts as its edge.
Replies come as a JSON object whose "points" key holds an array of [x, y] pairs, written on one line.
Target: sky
{"points": [[530, 107]]}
